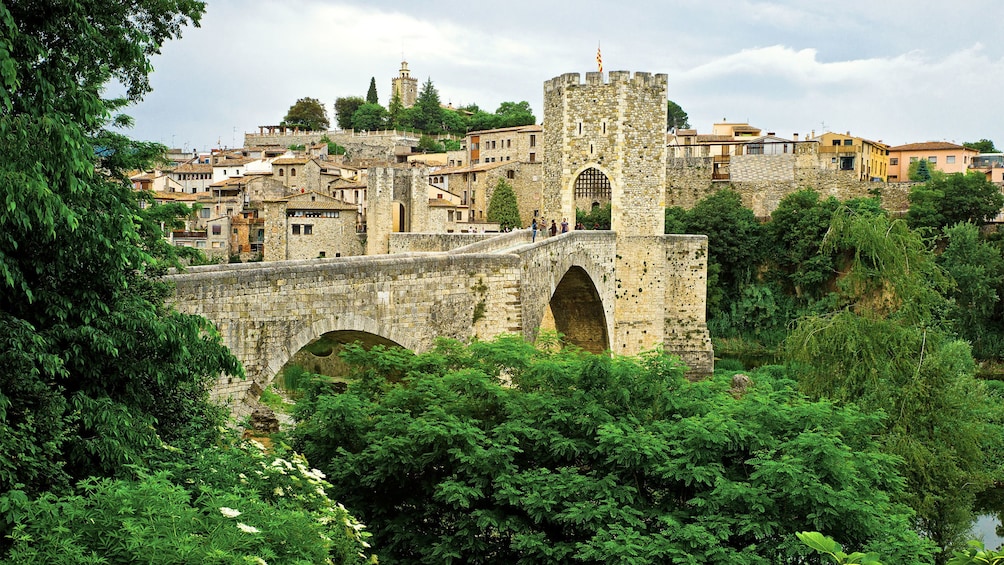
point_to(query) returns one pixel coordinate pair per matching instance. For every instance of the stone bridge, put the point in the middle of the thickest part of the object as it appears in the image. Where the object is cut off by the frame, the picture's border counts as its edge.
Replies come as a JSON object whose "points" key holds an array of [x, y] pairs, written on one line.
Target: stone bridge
{"points": [[267, 312], [626, 290]]}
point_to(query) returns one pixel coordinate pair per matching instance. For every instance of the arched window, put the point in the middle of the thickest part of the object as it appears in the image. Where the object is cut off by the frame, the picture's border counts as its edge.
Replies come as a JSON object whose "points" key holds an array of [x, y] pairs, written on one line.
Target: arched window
{"points": [[281, 172], [292, 172]]}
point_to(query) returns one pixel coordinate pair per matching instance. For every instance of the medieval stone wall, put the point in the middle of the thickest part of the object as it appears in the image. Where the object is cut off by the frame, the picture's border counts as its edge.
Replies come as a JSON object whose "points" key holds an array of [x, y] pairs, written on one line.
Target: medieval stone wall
{"points": [[359, 146], [764, 180]]}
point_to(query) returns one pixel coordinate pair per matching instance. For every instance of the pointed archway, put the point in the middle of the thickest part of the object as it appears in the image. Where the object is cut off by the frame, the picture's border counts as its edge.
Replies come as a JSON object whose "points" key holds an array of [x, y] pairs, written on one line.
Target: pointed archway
{"points": [[577, 312]]}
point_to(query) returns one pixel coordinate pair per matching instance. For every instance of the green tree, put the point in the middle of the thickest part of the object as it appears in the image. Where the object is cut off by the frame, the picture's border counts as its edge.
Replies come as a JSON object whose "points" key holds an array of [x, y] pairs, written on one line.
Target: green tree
{"points": [[428, 144], [946, 200], [96, 373], [394, 111], [333, 148], [919, 171], [735, 244], [345, 108], [794, 237], [371, 94], [307, 113], [596, 219], [428, 112], [503, 207], [500, 453], [676, 118], [481, 121], [511, 114], [983, 146], [370, 117], [882, 348], [977, 269]]}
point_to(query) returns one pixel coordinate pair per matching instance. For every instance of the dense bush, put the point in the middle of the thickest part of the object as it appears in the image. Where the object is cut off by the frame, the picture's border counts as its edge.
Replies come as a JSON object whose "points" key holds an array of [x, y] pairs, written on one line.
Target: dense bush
{"points": [[588, 458]]}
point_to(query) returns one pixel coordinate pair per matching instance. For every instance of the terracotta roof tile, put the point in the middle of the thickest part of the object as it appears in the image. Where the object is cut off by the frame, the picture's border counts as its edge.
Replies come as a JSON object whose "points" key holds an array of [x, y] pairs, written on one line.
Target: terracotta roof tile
{"points": [[929, 146]]}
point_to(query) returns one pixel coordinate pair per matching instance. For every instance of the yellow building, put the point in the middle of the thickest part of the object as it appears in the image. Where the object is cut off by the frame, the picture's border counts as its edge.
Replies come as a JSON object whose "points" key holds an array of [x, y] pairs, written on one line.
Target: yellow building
{"points": [[866, 159]]}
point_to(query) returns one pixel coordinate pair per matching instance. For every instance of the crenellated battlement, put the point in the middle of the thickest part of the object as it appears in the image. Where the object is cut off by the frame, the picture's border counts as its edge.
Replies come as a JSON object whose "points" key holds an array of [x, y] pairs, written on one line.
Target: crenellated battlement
{"points": [[660, 80]]}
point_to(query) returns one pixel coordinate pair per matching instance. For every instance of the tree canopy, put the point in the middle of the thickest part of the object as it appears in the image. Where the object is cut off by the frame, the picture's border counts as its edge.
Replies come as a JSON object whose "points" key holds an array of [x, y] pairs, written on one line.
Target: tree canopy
{"points": [[946, 200], [883, 348], [369, 117], [983, 146], [307, 113], [371, 94], [502, 453], [345, 108], [676, 118], [427, 114]]}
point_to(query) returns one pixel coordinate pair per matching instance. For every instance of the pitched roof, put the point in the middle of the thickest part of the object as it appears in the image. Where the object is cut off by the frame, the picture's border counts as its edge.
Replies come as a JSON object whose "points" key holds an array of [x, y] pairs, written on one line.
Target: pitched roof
{"points": [[313, 200], [291, 161], [194, 168], [930, 146]]}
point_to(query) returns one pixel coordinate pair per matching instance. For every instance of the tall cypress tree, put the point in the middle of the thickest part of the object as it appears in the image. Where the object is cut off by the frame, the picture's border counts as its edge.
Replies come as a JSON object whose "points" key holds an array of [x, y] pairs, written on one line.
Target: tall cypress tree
{"points": [[503, 207], [371, 94]]}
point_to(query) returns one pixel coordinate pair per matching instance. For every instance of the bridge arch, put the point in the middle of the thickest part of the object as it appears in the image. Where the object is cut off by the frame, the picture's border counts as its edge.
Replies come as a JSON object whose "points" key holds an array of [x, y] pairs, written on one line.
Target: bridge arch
{"points": [[577, 311], [347, 324]]}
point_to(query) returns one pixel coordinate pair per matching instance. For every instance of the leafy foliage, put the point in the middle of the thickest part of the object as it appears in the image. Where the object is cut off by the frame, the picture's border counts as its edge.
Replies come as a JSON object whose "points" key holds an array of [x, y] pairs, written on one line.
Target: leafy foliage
{"points": [[826, 545], [977, 270], [503, 207], [595, 219], [307, 113], [95, 371], [236, 504], [919, 171], [885, 351], [676, 118], [947, 200], [983, 146], [588, 458], [369, 117], [371, 94], [511, 114], [345, 108], [427, 114]]}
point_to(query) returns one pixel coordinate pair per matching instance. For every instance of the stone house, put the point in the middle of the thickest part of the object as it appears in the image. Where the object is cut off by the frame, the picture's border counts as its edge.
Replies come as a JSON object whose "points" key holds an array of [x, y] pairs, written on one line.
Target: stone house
{"points": [[193, 177], [297, 174], [520, 143], [309, 225]]}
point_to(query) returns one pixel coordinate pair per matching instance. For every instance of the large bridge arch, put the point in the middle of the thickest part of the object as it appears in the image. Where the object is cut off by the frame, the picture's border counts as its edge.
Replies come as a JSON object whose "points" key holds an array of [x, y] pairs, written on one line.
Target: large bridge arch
{"points": [[569, 269]]}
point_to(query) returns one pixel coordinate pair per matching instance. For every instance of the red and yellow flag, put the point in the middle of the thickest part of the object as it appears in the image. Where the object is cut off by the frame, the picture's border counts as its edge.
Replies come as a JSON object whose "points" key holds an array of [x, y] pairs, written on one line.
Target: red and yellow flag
{"points": [[599, 58]]}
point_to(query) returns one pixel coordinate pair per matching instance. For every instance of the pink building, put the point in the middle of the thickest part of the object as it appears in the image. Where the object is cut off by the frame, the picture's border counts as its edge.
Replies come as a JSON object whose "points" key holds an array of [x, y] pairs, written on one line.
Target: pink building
{"points": [[940, 155]]}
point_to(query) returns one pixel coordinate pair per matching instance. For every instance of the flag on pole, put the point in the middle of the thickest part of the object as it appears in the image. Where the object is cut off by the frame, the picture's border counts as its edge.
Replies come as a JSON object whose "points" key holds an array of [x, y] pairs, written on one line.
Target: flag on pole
{"points": [[599, 58]]}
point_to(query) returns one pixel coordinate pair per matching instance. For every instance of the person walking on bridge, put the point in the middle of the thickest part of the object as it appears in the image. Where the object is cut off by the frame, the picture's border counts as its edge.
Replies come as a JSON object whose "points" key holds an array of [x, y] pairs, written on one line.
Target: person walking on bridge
{"points": [[533, 230], [554, 228]]}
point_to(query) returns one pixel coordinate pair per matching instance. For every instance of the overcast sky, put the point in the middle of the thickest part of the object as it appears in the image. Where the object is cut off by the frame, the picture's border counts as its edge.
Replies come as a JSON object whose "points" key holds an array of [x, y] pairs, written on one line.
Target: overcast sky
{"points": [[896, 71]]}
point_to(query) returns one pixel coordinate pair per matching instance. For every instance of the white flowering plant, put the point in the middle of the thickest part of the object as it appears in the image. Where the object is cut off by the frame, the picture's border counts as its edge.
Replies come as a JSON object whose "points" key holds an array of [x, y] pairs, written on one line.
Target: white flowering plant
{"points": [[235, 503]]}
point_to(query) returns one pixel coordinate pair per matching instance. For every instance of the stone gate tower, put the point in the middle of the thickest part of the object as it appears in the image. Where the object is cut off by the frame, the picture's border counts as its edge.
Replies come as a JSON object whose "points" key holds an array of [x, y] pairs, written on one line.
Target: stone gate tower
{"points": [[608, 139], [607, 136]]}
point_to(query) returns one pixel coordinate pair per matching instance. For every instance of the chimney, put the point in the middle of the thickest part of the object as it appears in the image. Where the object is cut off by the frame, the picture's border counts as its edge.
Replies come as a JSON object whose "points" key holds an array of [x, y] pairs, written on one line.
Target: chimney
{"points": [[812, 135], [794, 136]]}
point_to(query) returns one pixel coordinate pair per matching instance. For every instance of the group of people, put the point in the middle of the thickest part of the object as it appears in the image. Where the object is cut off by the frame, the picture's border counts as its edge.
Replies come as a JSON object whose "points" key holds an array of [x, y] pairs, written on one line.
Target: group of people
{"points": [[553, 230]]}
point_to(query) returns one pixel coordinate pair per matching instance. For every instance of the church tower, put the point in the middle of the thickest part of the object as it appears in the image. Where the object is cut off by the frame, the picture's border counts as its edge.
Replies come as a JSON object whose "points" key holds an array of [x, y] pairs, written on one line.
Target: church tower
{"points": [[405, 86]]}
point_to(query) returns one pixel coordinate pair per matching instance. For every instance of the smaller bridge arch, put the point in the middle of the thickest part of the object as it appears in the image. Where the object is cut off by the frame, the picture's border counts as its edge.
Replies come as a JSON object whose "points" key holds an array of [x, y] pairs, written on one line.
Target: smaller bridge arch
{"points": [[347, 323]]}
